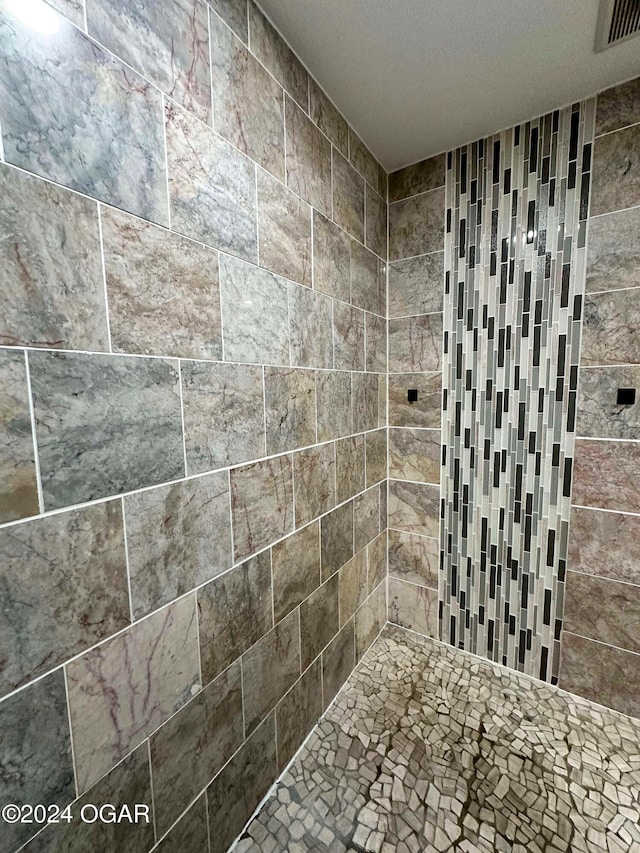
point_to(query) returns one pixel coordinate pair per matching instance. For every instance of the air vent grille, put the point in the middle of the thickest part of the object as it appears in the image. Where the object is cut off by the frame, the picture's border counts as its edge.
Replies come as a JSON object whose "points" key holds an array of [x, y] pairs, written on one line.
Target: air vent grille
{"points": [[618, 21]]}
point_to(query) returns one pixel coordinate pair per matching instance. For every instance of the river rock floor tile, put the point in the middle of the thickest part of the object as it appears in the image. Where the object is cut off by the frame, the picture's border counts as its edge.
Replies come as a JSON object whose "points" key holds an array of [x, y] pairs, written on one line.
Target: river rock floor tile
{"points": [[430, 749]]}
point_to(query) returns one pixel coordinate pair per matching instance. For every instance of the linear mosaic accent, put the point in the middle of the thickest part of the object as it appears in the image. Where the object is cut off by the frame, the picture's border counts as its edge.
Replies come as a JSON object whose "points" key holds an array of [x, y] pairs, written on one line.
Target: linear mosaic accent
{"points": [[517, 206]]}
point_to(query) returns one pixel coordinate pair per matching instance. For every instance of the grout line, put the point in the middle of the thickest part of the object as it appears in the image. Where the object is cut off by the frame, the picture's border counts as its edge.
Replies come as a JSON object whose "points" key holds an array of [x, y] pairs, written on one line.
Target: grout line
{"points": [[184, 435], [153, 801], [417, 195], [589, 293], [166, 156], [73, 751], [603, 578], [604, 509], [612, 212], [255, 181], [231, 536], [104, 278], [205, 794], [211, 80], [36, 452], [197, 618], [604, 439], [601, 643], [616, 129], [126, 558]]}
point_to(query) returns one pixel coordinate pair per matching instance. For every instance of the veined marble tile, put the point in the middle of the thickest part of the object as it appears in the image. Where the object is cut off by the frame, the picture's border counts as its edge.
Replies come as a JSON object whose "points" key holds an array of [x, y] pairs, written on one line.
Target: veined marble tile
{"points": [[236, 792], [414, 558], [311, 328], [415, 343], [615, 181], [384, 521], [365, 401], [163, 290], [599, 415], [376, 343], [328, 118], [368, 622], [613, 251], [235, 14], [314, 472], [212, 186], [350, 466], [261, 504], [336, 539], [191, 747], [36, 763], [365, 279], [366, 515], [295, 569], [290, 408], [64, 589], [618, 107], [319, 620], [247, 101], [377, 561], [414, 508], [376, 456], [418, 178], [275, 54], [331, 258], [416, 225], [375, 222], [616, 619], [50, 266], [73, 113], [338, 660], [178, 536], [607, 474], [234, 611], [416, 285], [413, 607], [297, 713], [348, 337], [353, 585], [426, 411], [284, 229], [168, 44], [348, 196], [604, 544], [415, 454], [105, 424], [610, 328], [18, 479], [255, 313], [308, 159], [223, 408], [333, 390], [363, 159], [122, 690], [71, 9], [270, 668], [191, 833]]}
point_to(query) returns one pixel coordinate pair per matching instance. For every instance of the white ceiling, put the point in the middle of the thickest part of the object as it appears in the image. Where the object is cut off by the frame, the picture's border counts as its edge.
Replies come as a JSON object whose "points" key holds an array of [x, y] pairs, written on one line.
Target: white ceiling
{"points": [[417, 77]]}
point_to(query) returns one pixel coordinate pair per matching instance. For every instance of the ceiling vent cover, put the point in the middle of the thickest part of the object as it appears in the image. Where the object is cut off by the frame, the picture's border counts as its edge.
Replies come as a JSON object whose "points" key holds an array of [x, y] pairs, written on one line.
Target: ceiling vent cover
{"points": [[618, 21]]}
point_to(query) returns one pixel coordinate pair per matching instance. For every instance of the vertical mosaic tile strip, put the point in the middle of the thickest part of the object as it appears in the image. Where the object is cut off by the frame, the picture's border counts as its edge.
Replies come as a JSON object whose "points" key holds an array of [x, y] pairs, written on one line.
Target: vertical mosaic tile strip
{"points": [[517, 206]]}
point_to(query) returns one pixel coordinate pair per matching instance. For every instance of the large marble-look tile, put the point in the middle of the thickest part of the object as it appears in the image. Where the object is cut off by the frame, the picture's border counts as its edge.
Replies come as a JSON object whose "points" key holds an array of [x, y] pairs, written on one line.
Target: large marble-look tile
{"points": [[295, 569], [604, 544], [64, 588], [270, 668], [415, 343], [284, 229], [168, 44], [308, 159], [376, 343], [610, 328], [376, 456], [236, 792], [613, 251], [71, 9], [418, 178], [178, 537], [105, 424], [212, 186], [348, 337], [310, 328], [363, 159], [191, 833], [128, 784], [377, 560], [416, 285], [319, 620], [375, 222], [414, 507], [235, 14], [328, 118], [365, 401], [73, 113], [414, 558], [124, 689], [338, 660], [18, 479], [223, 408], [336, 539], [50, 266], [366, 514], [618, 107], [369, 621], [255, 313], [290, 408], [607, 474], [36, 763], [348, 197], [314, 472], [616, 619], [191, 747], [163, 291], [247, 101], [234, 611], [426, 411], [297, 713], [414, 454], [367, 272], [350, 467], [353, 585], [599, 414], [416, 225], [413, 607], [615, 178], [261, 504], [384, 501], [331, 258], [275, 54], [335, 418], [600, 673]]}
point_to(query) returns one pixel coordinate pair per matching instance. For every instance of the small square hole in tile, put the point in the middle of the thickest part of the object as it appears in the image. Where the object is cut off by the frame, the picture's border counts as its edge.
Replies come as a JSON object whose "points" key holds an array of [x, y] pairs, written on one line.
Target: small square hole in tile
{"points": [[626, 396]]}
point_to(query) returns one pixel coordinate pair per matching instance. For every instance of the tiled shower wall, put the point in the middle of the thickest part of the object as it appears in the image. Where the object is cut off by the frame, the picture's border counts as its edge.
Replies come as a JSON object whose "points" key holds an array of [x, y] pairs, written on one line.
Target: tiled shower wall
{"points": [[193, 248]]}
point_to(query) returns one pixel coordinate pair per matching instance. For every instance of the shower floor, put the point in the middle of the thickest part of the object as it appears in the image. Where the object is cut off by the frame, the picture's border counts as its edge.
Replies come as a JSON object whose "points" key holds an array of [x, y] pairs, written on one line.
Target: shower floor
{"points": [[428, 748]]}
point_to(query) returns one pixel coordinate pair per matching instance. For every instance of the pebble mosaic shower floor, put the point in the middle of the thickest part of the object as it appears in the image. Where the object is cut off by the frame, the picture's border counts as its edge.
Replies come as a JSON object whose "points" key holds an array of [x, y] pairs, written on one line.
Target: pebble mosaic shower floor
{"points": [[428, 748]]}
